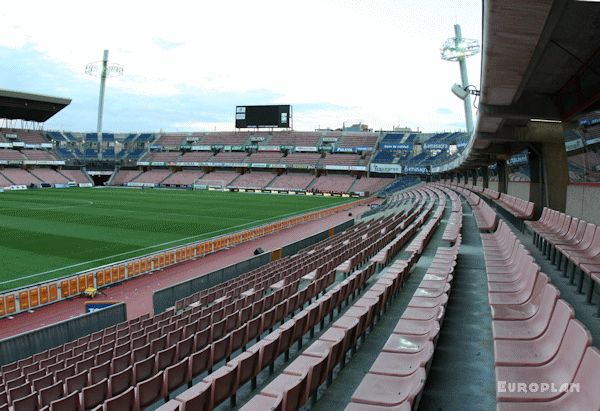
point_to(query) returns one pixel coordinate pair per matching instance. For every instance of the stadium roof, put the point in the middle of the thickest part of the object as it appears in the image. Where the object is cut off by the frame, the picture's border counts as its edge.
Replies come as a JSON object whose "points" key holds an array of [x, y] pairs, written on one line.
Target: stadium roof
{"points": [[16, 105], [539, 61]]}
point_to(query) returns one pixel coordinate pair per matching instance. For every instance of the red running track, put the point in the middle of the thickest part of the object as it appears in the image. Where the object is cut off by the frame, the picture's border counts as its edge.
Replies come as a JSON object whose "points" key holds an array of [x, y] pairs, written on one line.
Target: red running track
{"points": [[137, 293]]}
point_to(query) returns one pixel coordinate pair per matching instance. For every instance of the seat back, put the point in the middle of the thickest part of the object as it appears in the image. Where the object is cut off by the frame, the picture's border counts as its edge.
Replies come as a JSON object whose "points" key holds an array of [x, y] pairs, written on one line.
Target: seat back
{"points": [[196, 398], [68, 403], [119, 382], [293, 398], [52, 393], [149, 391], [142, 370], [27, 403], [76, 382], [94, 395], [122, 402]]}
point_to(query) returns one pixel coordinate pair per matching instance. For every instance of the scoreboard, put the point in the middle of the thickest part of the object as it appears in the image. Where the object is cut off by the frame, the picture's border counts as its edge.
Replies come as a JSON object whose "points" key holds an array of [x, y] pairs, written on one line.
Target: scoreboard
{"points": [[263, 116]]}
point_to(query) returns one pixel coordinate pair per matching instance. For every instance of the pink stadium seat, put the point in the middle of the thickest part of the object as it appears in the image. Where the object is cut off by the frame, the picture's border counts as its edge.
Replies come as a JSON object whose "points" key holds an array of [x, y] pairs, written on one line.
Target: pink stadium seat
{"points": [[196, 398], [560, 370], [529, 328], [94, 395], [539, 350], [389, 391], [67, 403], [119, 382], [149, 391], [122, 402]]}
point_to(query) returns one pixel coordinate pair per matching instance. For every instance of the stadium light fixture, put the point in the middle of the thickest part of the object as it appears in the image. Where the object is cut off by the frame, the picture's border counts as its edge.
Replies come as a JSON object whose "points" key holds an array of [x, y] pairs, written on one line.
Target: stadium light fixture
{"points": [[103, 70], [458, 49], [463, 92]]}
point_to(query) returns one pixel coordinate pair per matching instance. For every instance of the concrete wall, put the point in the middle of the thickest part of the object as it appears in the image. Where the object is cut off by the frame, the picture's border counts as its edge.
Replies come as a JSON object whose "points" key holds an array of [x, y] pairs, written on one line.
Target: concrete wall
{"points": [[26, 344], [583, 201], [519, 189], [493, 185]]}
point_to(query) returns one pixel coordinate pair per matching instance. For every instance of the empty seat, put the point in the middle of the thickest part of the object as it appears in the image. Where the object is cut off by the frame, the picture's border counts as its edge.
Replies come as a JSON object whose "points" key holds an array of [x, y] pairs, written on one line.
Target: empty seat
{"points": [[94, 395], [196, 398], [52, 393], [389, 391], [149, 391], [122, 402], [68, 403]]}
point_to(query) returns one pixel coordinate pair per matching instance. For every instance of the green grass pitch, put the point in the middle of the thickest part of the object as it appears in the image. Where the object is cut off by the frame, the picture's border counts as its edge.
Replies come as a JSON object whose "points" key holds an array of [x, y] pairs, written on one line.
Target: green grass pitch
{"points": [[51, 233]]}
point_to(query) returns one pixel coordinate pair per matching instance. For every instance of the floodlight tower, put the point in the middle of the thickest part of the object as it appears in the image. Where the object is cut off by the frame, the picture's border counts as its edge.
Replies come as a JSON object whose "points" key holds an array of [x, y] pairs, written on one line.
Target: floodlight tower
{"points": [[103, 70], [458, 49]]}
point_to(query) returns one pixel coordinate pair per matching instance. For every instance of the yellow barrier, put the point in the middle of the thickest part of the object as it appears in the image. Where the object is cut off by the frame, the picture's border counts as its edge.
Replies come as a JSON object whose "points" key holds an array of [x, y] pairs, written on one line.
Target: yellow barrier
{"points": [[34, 297], [44, 294], [23, 300]]}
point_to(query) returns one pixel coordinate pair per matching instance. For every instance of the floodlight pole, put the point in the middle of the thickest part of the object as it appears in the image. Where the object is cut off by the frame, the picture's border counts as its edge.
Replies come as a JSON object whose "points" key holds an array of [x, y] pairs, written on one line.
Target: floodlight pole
{"points": [[465, 80], [103, 70], [101, 102]]}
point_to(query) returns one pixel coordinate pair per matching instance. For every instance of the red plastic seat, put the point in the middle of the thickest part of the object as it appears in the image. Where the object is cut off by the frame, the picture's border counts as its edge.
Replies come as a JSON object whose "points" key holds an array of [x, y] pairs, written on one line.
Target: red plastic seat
{"points": [[586, 397], [27, 403], [539, 350], [52, 393], [94, 395], [76, 382], [532, 327], [290, 387], [401, 364], [121, 381], [165, 358], [122, 402], [389, 391], [68, 403], [560, 370], [264, 403], [199, 362], [534, 284], [222, 384], [196, 398], [144, 369], [149, 391], [313, 367]]}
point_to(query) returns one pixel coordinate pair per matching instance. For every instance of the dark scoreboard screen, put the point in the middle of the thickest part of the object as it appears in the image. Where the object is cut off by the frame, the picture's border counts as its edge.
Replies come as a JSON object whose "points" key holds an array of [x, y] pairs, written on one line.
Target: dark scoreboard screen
{"points": [[263, 116]]}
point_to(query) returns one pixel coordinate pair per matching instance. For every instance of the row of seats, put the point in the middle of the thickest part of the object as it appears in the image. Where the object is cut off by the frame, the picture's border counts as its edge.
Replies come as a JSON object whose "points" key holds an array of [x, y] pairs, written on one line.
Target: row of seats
{"points": [[485, 216], [397, 376], [540, 349], [572, 241], [454, 224], [306, 373], [516, 208], [327, 255], [345, 332]]}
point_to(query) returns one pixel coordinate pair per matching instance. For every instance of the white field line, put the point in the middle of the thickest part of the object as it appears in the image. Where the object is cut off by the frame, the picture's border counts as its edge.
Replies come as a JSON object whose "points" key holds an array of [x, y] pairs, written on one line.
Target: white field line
{"points": [[155, 246]]}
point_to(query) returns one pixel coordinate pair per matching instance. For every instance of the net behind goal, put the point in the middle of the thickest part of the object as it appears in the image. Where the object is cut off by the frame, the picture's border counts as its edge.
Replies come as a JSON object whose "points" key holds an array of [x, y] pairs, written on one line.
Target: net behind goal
{"points": [[209, 185]]}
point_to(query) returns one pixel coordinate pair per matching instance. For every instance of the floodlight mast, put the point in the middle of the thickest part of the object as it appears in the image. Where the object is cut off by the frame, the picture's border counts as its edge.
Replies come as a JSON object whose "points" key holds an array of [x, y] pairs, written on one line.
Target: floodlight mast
{"points": [[103, 70], [458, 49]]}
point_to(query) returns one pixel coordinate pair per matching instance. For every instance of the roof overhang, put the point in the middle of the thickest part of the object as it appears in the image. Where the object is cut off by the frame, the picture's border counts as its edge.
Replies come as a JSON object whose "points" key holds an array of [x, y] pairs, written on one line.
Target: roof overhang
{"points": [[16, 105]]}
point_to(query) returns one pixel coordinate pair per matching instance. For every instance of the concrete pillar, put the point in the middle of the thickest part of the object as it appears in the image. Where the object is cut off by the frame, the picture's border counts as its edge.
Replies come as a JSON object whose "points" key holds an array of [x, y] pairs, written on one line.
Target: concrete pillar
{"points": [[486, 177], [502, 176], [536, 185], [474, 176], [466, 176], [555, 176]]}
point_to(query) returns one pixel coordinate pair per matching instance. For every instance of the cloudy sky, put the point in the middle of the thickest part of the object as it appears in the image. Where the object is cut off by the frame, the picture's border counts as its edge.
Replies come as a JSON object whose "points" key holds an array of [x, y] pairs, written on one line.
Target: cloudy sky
{"points": [[188, 64]]}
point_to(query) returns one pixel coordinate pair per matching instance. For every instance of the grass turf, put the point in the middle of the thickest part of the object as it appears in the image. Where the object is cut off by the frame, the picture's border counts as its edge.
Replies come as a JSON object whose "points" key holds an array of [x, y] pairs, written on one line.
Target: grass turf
{"points": [[46, 234]]}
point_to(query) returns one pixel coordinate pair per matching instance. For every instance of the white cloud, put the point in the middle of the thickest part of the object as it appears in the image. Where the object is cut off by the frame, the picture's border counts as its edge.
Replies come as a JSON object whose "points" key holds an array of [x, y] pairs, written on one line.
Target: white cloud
{"points": [[380, 57]]}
